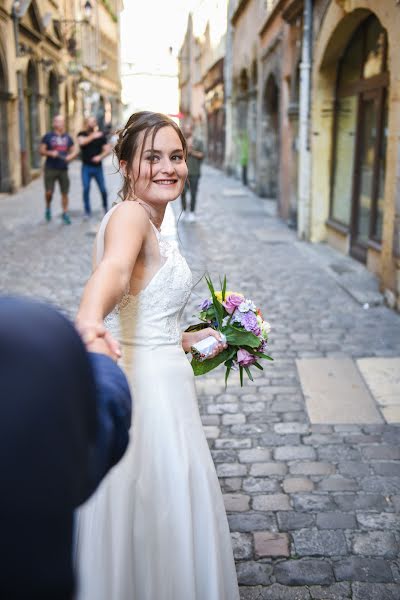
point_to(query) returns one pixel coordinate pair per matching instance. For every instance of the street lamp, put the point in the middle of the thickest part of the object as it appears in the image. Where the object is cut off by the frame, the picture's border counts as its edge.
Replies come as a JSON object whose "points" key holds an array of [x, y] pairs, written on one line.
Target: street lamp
{"points": [[87, 10]]}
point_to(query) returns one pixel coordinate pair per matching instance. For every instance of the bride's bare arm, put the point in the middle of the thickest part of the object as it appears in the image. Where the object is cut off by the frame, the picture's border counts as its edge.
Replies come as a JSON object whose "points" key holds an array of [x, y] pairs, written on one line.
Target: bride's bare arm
{"points": [[124, 236]]}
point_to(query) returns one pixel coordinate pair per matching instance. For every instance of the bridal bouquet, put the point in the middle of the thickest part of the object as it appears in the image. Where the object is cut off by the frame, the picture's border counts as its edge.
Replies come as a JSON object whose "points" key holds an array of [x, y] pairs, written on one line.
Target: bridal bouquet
{"points": [[241, 322]]}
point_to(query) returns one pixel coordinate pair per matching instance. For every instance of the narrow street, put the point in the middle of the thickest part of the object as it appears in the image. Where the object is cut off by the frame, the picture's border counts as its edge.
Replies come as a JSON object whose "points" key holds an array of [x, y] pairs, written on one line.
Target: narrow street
{"points": [[308, 455]]}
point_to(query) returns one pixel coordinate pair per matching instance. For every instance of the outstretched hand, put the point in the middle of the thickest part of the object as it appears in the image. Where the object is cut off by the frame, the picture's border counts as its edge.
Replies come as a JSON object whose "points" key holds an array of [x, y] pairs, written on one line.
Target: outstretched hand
{"points": [[98, 339]]}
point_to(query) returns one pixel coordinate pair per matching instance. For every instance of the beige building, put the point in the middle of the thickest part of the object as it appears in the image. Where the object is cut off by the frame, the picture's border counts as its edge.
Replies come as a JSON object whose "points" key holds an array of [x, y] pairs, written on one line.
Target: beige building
{"points": [[55, 56]]}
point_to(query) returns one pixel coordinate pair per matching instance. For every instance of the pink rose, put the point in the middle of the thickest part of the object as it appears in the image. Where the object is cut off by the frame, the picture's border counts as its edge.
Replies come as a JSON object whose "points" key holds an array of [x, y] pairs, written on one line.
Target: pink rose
{"points": [[244, 358], [232, 302]]}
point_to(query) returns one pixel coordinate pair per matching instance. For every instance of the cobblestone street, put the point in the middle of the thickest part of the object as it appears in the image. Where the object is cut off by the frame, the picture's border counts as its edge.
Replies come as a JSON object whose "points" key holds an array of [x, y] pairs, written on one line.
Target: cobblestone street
{"points": [[312, 503]]}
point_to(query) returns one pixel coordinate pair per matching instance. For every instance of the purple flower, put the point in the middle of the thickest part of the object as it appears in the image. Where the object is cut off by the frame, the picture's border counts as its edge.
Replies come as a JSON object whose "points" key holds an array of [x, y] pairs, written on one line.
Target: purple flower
{"points": [[249, 321], [244, 358], [232, 302], [205, 305]]}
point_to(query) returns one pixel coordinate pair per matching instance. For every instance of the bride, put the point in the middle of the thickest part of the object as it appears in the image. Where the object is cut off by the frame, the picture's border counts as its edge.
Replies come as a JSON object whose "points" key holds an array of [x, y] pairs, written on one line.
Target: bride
{"points": [[156, 529]]}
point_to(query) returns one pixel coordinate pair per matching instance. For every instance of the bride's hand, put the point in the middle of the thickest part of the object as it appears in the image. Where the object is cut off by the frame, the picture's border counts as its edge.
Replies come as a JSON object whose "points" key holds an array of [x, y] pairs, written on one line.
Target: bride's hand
{"points": [[92, 331], [190, 338]]}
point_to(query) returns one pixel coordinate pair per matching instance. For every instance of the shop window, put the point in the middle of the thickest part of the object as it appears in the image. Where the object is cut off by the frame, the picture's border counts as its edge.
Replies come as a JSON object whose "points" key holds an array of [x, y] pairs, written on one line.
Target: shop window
{"points": [[360, 134]]}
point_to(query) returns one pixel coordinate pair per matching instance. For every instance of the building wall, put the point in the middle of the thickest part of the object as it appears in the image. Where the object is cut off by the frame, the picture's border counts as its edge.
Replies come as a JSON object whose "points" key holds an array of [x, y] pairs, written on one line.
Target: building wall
{"points": [[341, 19], [48, 75]]}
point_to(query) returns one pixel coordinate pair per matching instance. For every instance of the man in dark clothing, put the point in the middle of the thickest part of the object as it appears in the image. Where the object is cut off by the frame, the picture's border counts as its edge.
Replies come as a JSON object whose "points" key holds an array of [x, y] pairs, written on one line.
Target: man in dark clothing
{"points": [[194, 159], [94, 148], [64, 420], [58, 147]]}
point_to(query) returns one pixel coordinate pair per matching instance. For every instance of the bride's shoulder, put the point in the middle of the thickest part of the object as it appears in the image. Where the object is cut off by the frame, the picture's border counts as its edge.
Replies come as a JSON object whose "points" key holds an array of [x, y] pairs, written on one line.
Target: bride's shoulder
{"points": [[128, 214]]}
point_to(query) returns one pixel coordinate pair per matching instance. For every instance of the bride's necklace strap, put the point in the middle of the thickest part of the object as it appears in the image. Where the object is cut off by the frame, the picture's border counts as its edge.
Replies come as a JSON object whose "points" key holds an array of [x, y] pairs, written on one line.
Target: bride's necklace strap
{"points": [[148, 211]]}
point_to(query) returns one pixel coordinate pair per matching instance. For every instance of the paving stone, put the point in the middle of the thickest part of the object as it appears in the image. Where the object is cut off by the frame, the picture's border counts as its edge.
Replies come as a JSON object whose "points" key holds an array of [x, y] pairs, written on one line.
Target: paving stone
{"points": [[336, 591], [355, 568], [250, 522], [254, 455], [375, 591], [236, 419], [297, 484], [353, 468], [272, 502], [288, 428], [304, 572], [386, 468], [253, 573], [318, 439], [269, 544], [312, 502], [242, 544], [336, 520], [236, 502], [337, 453], [294, 453], [248, 428], [231, 470], [268, 469], [255, 407], [378, 520], [337, 483], [274, 439], [231, 484], [290, 520], [311, 542], [210, 419], [251, 593], [281, 406], [381, 452], [257, 485], [220, 409], [224, 456], [361, 501], [312, 468], [233, 443], [376, 543], [211, 431], [282, 592], [386, 485]]}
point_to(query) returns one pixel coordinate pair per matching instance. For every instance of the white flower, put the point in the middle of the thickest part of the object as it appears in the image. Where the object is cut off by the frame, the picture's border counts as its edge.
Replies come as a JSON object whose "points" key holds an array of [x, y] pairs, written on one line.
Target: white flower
{"points": [[265, 328], [225, 321], [247, 305]]}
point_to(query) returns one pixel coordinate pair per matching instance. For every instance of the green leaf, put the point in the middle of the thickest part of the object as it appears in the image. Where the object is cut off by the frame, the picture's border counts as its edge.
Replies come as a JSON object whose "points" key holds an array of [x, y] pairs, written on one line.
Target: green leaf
{"points": [[228, 370], [202, 367], [219, 310], [224, 288], [262, 355], [249, 375], [240, 337], [197, 327], [256, 364], [241, 376]]}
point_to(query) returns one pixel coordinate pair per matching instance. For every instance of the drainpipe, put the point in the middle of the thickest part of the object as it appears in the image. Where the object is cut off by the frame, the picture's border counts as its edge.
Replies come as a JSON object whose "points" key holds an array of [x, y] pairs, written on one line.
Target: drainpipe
{"points": [[15, 13], [304, 178]]}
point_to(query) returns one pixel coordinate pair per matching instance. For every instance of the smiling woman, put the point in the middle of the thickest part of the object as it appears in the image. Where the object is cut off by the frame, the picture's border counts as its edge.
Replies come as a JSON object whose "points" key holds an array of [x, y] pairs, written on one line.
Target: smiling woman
{"points": [[167, 484]]}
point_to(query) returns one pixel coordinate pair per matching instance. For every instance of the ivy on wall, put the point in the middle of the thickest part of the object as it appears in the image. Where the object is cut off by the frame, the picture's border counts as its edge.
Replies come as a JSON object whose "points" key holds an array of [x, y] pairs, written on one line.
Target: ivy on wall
{"points": [[109, 8]]}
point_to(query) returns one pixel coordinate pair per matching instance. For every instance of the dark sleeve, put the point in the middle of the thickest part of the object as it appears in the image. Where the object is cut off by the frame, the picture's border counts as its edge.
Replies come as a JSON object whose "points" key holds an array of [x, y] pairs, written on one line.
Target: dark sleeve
{"points": [[103, 140], [45, 139], [70, 141], [114, 407]]}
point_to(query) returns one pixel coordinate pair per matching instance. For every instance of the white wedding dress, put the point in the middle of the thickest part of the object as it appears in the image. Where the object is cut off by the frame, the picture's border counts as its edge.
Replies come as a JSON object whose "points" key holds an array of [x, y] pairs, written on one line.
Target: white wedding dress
{"points": [[156, 529]]}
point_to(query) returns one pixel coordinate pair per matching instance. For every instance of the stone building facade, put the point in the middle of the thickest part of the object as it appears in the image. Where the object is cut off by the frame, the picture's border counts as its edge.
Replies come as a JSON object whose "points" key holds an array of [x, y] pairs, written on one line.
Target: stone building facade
{"points": [[321, 130], [201, 77], [55, 56]]}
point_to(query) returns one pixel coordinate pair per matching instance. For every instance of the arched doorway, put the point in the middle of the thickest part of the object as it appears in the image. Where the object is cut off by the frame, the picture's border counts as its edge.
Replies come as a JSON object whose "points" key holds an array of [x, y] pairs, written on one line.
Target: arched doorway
{"points": [[4, 146], [242, 124], [270, 138], [32, 97], [360, 137], [53, 99]]}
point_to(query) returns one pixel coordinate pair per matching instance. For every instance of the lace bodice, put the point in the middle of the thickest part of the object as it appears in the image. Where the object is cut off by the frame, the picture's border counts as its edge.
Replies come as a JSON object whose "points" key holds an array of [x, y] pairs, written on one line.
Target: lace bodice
{"points": [[152, 317]]}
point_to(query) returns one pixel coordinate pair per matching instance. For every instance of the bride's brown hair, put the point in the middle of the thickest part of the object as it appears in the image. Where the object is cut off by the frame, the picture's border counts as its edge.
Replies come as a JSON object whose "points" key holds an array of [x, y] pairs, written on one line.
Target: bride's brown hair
{"points": [[128, 142]]}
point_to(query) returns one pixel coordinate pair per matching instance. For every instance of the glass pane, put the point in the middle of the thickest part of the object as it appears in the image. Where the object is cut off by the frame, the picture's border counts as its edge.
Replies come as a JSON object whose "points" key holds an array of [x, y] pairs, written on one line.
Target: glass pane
{"points": [[344, 159], [366, 169], [382, 171], [351, 63], [374, 51]]}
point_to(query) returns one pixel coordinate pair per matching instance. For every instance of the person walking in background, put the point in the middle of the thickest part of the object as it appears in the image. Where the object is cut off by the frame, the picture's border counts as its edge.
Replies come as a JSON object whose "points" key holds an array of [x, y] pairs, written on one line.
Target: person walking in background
{"points": [[244, 155], [195, 155], [94, 147], [58, 147]]}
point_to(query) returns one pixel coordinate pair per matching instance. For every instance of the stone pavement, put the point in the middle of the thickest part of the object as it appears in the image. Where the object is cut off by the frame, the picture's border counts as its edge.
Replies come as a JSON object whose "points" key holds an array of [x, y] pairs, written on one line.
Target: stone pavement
{"points": [[313, 508]]}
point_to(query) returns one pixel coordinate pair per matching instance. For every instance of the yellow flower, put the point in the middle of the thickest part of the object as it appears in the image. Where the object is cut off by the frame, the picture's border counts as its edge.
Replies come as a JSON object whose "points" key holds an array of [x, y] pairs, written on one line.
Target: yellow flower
{"points": [[218, 295]]}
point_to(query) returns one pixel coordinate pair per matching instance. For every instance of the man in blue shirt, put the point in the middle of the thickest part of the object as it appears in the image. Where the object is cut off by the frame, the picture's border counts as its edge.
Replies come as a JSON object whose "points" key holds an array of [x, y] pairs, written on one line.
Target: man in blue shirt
{"points": [[58, 147]]}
